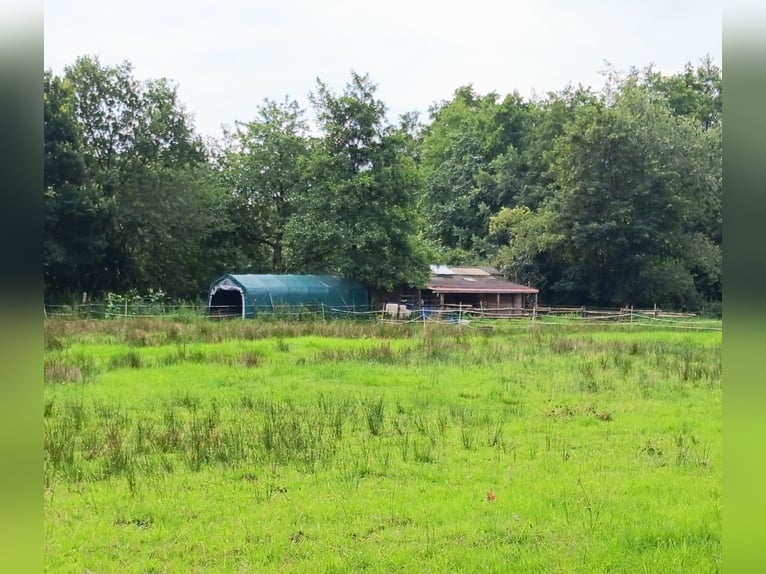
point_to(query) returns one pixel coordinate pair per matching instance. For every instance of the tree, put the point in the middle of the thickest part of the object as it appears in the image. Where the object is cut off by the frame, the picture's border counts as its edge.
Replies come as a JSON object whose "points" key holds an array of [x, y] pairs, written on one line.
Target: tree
{"points": [[358, 213], [532, 247], [264, 167], [76, 217], [546, 122], [472, 156], [166, 218], [457, 150], [129, 194], [632, 180], [696, 93]]}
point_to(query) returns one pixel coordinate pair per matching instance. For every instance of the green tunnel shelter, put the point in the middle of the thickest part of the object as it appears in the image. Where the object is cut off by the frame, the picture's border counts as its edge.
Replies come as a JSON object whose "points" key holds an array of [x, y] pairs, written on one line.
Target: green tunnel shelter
{"points": [[246, 295]]}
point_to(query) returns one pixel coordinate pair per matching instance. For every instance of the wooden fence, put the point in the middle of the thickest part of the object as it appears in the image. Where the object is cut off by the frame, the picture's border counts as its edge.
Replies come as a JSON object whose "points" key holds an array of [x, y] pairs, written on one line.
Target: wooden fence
{"points": [[459, 314]]}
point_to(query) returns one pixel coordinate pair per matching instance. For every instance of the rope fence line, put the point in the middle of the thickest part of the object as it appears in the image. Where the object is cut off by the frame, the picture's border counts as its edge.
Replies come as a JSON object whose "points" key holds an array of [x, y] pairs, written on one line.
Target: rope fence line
{"points": [[457, 314]]}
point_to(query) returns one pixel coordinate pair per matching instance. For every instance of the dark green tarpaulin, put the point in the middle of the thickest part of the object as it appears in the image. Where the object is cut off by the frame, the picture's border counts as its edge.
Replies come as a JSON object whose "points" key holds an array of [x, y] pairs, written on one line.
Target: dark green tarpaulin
{"points": [[246, 295]]}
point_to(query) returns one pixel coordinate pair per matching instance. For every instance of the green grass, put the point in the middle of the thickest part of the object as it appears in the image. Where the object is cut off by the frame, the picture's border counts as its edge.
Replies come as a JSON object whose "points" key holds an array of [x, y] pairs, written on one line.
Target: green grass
{"points": [[343, 447]]}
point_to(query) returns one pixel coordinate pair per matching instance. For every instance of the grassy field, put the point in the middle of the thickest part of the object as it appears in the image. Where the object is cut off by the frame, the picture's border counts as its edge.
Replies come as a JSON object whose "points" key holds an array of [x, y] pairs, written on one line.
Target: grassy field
{"points": [[236, 446]]}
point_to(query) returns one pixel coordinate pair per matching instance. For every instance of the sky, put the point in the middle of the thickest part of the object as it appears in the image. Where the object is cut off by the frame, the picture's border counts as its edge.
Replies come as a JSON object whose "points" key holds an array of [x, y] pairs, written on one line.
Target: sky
{"points": [[227, 56]]}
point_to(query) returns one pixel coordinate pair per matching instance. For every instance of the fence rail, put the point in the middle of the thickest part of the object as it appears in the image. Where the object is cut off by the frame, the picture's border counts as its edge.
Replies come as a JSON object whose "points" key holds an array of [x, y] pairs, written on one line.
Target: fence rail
{"points": [[459, 314]]}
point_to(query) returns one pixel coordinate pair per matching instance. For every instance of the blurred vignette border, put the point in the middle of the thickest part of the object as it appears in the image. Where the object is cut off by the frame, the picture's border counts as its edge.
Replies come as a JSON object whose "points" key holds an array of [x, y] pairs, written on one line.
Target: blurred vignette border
{"points": [[744, 62], [21, 66], [21, 123]]}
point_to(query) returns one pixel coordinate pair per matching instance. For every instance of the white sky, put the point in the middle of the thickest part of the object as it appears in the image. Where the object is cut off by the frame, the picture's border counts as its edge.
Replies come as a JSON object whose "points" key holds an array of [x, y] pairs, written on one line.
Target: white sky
{"points": [[226, 56]]}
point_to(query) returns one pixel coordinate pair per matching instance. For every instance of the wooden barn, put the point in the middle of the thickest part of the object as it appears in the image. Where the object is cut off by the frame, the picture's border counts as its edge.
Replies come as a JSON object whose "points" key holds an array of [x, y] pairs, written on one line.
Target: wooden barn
{"points": [[476, 287]]}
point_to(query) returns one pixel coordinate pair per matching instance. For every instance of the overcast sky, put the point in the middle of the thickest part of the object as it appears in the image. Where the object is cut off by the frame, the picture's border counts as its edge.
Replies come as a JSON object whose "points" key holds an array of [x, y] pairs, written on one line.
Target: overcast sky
{"points": [[226, 56]]}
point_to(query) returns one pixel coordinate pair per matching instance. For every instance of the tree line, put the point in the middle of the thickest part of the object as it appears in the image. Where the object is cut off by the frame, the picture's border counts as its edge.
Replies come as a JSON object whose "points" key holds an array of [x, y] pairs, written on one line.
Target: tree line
{"points": [[608, 197]]}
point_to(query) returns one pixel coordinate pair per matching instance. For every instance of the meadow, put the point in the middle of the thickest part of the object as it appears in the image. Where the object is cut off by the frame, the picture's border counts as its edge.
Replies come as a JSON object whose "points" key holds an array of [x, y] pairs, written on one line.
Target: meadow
{"points": [[339, 446]]}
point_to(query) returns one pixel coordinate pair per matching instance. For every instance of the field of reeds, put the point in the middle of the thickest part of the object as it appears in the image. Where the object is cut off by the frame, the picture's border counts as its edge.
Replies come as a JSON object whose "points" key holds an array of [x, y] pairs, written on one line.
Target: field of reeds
{"points": [[341, 446]]}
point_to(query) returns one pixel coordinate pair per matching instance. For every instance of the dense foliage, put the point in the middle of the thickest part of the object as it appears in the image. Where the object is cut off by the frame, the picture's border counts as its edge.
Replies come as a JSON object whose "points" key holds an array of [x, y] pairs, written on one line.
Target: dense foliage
{"points": [[600, 198]]}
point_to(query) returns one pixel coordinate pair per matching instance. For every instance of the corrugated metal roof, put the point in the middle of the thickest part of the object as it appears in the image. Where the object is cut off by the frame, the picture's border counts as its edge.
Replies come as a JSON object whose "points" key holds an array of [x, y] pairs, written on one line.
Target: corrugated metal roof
{"points": [[461, 270], [486, 284]]}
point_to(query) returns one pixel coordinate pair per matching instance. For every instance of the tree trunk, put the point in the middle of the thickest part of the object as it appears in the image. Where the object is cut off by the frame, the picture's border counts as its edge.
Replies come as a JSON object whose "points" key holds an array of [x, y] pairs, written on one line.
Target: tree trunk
{"points": [[277, 261]]}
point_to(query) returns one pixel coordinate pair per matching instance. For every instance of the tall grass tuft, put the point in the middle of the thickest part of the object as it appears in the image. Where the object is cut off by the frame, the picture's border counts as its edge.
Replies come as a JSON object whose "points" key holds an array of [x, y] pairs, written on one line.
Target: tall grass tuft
{"points": [[374, 415], [65, 367], [131, 359], [203, 437]]}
